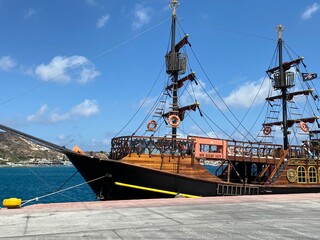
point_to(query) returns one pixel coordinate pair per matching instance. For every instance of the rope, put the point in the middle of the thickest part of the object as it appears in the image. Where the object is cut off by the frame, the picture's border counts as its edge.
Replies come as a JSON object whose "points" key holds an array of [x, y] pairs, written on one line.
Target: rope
{"points": [[141, 105], [59, 191], [220, 99], [231, 30], [67, 180], [249, 109]]}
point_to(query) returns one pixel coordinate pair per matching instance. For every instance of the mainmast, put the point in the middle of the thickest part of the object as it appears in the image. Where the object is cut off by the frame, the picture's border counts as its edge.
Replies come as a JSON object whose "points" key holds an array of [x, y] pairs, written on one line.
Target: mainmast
{"points": [[174, 71], [176, 64], [283, 87]]}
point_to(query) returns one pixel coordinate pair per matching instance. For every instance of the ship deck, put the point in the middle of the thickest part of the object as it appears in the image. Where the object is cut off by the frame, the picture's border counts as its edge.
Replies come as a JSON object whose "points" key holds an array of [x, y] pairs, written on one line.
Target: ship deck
{"points": [[292, 216]]}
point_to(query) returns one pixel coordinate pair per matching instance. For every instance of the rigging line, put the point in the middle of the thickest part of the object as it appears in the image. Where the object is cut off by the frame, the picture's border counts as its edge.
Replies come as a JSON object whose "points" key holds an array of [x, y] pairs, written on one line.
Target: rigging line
{"points": [[129, 40], [219, 97], [201, 111], [287, 46], [254, 100], [38, 177], [24, 92], [197, 124], [217, 126], [260, 113], [308, 102], [93, 58], [62, 190], [274, 57], [67, 180], [230, 30], [152, 109], [222, 112], [44, 182], [210, 127], [149, 113], [144, 101], [78, 135]]}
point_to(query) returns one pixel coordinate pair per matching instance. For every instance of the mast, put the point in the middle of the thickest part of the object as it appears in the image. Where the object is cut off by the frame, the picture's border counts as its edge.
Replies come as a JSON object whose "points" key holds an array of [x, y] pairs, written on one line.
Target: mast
{"points": [[176, 65], [284, 79], [283, 87], [175, 72]]}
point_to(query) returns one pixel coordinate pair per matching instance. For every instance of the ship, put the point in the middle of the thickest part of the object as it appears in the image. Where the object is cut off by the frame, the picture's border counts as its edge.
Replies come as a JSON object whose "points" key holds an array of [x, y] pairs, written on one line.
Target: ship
{"points": [[176, 165]]}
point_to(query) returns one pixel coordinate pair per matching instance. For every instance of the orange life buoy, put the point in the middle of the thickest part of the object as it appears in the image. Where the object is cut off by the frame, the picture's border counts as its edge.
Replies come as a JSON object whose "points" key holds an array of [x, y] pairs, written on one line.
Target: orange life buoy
{"points": [[266, 130], [174, 120], [152, 125], [304, 127]]}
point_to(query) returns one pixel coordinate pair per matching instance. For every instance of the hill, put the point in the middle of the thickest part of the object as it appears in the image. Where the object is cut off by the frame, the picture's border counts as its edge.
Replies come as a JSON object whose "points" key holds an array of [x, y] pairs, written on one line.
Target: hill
{"points": [[15, 149]]}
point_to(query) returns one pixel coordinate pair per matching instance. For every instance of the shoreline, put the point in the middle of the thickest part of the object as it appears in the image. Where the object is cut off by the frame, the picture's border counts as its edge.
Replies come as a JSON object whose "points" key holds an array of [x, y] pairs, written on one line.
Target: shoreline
{"points": [[36, 165]]}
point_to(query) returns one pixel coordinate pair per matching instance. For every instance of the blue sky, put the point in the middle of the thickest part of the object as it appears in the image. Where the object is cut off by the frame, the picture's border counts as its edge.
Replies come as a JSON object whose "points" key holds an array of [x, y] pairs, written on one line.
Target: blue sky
{"points": [[74, 72]]}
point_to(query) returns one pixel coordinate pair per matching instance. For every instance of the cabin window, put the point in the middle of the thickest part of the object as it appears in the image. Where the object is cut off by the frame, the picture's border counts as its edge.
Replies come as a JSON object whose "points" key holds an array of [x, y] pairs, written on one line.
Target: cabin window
{"points": [[301, 174], [312, 175], [209, 148], [254, 170]]}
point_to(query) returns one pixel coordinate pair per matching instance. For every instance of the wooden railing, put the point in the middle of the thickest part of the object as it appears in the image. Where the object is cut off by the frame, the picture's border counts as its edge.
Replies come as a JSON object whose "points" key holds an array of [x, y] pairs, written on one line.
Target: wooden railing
{"points": [[257, 152], [236, 150], [124, 146]]}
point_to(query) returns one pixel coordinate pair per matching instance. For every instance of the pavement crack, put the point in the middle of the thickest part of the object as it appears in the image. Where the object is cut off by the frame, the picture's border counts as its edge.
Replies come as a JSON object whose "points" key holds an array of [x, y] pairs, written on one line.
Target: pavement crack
{"points": [[165, 216], [26, 226]]}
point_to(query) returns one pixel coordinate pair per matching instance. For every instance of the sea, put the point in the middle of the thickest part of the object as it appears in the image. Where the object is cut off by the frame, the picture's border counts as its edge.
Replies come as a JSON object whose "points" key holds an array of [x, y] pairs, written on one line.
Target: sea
{"points": [[39, 185]]}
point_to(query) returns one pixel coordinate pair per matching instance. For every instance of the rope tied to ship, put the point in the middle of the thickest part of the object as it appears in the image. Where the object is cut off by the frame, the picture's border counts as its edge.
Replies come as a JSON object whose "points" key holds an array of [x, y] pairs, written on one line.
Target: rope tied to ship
{"points": [[60, 191]]}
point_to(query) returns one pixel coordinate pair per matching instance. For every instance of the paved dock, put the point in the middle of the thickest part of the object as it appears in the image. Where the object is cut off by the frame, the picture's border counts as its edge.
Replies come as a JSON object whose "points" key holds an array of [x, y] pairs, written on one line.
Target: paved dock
{"points": [[293, 216]]}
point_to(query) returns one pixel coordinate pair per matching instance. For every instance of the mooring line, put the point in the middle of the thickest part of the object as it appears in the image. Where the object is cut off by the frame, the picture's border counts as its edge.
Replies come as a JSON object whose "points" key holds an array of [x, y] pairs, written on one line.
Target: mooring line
{"points": [[62, 190]]}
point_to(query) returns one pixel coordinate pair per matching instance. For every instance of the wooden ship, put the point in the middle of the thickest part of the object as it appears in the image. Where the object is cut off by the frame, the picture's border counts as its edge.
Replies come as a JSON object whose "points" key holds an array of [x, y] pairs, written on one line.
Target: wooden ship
{"points": [[150, 166]]}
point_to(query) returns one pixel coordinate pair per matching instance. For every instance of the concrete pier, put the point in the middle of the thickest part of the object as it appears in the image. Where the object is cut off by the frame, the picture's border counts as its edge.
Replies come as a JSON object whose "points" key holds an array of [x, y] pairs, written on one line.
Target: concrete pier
{"points": [[294, 216]]}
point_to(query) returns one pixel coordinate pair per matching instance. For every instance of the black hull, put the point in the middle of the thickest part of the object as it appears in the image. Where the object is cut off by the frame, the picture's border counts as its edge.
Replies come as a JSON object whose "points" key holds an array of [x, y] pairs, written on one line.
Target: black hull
{"points": [[111, 172], [288, 190]]}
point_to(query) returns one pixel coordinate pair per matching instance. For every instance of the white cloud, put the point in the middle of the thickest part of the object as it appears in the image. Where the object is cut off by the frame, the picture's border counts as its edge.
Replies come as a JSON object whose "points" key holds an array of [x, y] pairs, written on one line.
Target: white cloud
{"points": [[7, 63], [310, 10], [38, 115], [244, 95], [141, 16], [102, 21], [65, 69], [91, 2], [30, 12], [94, 3], [86, 108], [197, 92]]}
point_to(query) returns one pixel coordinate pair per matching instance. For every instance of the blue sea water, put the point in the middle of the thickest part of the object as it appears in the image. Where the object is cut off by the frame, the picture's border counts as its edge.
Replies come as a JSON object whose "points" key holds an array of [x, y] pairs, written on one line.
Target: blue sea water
{"points": [[32, 182]]}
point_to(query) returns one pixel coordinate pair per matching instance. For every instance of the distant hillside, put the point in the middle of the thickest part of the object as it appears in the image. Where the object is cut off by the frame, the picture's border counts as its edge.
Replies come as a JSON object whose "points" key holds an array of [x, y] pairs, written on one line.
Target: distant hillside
{"points": [[16, 149]]}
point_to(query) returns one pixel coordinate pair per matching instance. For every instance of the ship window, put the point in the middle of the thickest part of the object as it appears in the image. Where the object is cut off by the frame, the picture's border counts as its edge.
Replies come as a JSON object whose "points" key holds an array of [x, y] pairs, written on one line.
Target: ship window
{"points": [[209, 148], [312, 175], [301, 174], [254, 170]]}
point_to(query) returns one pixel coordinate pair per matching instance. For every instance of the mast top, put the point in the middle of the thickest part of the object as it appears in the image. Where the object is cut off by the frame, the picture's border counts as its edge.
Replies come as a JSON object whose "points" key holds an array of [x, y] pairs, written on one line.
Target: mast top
{"points": [[280, 29], [174, 4]]}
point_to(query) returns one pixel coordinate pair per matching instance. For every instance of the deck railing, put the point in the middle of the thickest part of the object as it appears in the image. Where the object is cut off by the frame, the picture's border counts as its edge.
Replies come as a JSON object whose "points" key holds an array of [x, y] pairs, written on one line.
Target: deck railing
{"points": [[236, 150], [124, 146], [239, 150]]}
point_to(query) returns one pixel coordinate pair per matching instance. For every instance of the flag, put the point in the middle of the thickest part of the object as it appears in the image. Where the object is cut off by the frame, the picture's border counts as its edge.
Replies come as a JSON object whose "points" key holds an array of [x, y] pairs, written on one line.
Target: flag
{"points": [[308, 76]]}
